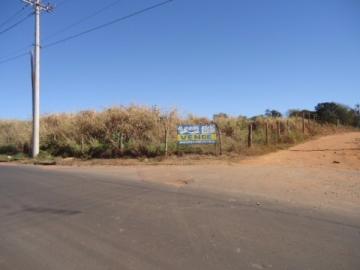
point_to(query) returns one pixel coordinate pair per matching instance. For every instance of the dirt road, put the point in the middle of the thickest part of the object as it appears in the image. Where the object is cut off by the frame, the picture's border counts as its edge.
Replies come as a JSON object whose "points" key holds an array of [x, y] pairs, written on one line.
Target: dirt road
{"points": [[323, 173], [340, 151]]}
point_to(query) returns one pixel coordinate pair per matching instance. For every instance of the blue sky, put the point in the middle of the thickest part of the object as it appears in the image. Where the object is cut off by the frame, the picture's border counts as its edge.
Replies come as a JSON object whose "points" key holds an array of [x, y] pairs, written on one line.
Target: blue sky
{"points": [[200, 56]]}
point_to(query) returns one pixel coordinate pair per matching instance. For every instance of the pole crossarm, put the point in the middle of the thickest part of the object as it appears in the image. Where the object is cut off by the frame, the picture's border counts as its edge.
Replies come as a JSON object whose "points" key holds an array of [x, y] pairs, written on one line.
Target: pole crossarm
{"points": [[42, 7]]}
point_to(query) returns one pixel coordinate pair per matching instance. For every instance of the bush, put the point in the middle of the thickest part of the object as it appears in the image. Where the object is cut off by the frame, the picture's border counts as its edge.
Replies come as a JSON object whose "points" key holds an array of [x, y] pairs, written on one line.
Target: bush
{"points": [[140, 132], [9, 150], [331, 112]]}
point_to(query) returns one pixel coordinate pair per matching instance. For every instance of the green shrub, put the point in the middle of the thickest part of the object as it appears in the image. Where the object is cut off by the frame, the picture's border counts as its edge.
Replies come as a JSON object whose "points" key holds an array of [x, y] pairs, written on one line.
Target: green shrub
{"points": [[9, 149], [44, 155]]}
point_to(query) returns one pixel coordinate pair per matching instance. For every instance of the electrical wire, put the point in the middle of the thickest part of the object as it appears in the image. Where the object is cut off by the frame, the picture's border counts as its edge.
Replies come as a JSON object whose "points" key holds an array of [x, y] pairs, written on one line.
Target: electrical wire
{"points": [[83, 19], [16, 24], [13, 16], [60, 3], [133, 14], [21, 49], [12, 58]]}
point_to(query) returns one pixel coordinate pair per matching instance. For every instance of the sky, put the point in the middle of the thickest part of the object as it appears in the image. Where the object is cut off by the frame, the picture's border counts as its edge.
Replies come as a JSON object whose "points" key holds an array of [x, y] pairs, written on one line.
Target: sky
{"points": [[239, 57]]}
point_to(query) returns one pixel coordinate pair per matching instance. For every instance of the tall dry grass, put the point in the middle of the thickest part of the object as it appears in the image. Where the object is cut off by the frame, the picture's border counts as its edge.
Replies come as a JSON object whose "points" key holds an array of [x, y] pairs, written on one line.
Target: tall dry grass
{"points": [[140, 131]]}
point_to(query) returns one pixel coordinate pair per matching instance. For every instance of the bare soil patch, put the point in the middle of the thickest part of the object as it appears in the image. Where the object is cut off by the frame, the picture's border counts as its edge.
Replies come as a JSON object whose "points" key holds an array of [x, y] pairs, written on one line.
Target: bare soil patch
{"points": [[340, 151], [323, 174]]}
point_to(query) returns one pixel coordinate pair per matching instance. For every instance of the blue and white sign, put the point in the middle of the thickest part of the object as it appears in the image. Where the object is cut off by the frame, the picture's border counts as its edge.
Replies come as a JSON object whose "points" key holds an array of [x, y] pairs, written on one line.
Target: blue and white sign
{"points": [[197, 134]]}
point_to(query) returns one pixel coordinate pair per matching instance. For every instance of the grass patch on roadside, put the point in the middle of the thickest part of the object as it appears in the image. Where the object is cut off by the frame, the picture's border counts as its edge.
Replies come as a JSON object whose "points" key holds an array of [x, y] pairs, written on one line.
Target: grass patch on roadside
{"points": [[10, 158], [44, 158], [5, 158]]}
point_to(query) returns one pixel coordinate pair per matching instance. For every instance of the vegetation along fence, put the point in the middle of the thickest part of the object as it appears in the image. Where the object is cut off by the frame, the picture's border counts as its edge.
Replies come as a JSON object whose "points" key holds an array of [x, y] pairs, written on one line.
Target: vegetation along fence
{"points": [[146, 131]]}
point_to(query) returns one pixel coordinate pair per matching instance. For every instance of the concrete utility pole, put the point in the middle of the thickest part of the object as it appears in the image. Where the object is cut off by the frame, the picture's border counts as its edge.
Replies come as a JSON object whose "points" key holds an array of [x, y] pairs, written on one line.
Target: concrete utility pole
{"points": [[38, 8]]}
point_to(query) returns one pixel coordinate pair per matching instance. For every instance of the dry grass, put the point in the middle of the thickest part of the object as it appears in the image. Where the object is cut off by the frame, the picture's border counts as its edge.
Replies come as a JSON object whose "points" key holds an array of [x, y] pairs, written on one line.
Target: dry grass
{"points": [[137, 131]]}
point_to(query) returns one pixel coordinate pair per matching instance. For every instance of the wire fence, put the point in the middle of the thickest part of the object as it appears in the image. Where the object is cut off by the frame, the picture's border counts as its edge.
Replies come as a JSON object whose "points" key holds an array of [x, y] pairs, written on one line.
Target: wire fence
{"points": [[142, 131]]}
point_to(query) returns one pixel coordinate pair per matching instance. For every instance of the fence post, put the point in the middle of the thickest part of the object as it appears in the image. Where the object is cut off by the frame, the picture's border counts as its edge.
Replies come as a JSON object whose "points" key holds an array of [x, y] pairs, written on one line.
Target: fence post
{"points": [[303, 122], [267, 132], [278, 126], [297, 121], [220, 139], [250, 137], [288, 127], [166, 140], [82, 144]]}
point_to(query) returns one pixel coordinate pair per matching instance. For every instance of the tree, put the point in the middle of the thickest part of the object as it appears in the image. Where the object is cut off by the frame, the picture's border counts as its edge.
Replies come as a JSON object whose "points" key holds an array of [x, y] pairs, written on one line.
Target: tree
{"points": [[299, 113], [220, 115], [272, 113], [357, 109], [357, 115], [294, 112], [331, 112]]}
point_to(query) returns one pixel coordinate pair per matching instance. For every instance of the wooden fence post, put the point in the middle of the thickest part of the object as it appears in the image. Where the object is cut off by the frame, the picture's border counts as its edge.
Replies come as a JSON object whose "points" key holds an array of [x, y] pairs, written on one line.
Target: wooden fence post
{"points": [[278, 126], [220, 139], [166, 140], [296, 121], [267, 132], [82, 144], [250, 136], [303, 122], [288, 127]]}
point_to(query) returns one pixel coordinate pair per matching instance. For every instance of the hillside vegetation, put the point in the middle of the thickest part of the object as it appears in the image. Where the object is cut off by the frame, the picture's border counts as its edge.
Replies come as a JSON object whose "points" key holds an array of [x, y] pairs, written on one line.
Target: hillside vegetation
{"points": [[136, 131]]}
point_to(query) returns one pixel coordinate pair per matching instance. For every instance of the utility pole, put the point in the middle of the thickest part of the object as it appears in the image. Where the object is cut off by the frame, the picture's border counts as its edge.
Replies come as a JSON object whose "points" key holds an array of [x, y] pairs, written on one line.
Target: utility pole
{"points": [[38, 8]]}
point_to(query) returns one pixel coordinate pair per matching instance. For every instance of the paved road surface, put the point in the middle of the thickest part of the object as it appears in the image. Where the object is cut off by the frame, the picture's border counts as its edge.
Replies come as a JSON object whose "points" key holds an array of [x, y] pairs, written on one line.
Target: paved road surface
{"points": [[54, 220]]}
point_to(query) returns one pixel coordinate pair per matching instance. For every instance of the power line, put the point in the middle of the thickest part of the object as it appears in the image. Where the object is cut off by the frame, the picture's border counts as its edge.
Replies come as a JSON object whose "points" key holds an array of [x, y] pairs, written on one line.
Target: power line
{"points": [[16, 24], [83, 19], [6, 22], [12, 58], [20, 49], [60, 3], [14, 53], [136, 13], [13, 16]]}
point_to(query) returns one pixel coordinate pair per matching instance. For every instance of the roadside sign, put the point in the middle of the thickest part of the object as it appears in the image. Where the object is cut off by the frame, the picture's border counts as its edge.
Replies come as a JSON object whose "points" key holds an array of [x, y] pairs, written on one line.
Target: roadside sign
{"points": [[196, 134]]}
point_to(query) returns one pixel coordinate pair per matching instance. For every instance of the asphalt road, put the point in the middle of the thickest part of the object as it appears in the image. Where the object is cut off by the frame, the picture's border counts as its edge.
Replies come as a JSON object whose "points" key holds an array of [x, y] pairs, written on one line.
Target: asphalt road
{"points": [[55, 220]]}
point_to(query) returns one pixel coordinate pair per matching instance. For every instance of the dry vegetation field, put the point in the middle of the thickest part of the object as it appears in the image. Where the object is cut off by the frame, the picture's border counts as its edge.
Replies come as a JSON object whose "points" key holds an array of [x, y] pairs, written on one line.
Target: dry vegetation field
{"points": [[137, 131]]}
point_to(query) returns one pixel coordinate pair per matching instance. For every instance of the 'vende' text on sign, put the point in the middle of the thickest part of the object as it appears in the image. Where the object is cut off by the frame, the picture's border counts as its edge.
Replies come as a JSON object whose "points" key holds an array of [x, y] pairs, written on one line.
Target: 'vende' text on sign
{"points": [[196, 134]]}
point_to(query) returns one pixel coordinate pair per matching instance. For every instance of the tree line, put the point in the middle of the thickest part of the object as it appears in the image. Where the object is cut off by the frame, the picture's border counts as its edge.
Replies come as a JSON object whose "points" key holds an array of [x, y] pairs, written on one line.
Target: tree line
{"points": [[326, 112]]}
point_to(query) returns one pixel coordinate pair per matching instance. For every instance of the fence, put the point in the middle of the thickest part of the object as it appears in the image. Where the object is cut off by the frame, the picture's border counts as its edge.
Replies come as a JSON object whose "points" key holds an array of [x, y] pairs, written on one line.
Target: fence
{"points": [[141, 131], [235, 137]]}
